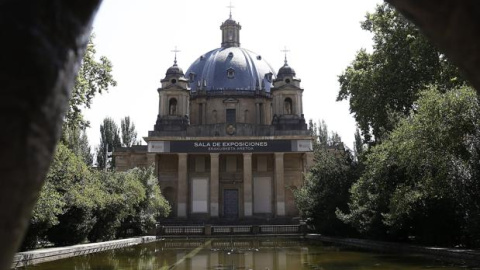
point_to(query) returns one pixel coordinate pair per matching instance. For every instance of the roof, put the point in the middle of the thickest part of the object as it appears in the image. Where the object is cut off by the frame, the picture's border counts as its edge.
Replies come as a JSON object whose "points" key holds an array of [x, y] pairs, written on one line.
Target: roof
{"points": [[232, 68]]}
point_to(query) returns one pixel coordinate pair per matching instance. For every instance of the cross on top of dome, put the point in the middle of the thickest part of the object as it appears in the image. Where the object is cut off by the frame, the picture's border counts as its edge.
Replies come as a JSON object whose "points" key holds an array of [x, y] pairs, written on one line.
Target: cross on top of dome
{"points": [[285, 51], [230, 7], [175, 51]]}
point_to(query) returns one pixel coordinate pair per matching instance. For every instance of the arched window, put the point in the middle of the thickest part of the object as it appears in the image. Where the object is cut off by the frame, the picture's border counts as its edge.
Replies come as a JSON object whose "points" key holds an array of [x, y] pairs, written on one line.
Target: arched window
{"points": [[230, 73], [172, 106], [191, 76], [288, 106]]}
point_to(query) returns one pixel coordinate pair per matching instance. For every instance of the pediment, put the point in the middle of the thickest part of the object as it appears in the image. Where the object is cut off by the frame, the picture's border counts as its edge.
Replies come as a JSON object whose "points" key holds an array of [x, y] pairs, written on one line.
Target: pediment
{"points": [[230, 100], [173, 87]]}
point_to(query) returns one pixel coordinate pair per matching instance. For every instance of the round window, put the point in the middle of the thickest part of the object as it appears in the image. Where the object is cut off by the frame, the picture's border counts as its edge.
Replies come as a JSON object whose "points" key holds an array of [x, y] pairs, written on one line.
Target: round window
{"points": [[174, 81], [287, 80]]}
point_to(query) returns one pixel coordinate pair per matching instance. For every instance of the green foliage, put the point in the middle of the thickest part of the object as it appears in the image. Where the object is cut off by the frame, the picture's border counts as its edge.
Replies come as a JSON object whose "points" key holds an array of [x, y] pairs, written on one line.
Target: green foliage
{"points": [[93, 77], [78, 202], [75, 138], [327, 184], [49, 206], [382, 86], [109, 140], [423, 181], [150, 207], [80, 193], [134, 204], [359, 145], [129, 134]]}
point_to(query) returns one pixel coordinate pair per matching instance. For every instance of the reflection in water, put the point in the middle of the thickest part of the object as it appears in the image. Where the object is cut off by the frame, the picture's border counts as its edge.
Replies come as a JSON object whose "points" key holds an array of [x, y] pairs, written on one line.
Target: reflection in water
{"points": [[240, 253]]}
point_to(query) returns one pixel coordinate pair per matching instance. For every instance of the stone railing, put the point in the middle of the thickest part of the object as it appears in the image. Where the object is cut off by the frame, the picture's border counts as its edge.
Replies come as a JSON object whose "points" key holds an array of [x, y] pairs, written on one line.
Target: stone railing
{"points": [[225, 230], [183, 230]]}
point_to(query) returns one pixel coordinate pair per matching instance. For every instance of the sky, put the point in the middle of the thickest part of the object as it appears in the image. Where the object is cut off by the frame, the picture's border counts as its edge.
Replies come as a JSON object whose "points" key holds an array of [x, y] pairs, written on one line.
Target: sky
{"points": [[138, 37]]}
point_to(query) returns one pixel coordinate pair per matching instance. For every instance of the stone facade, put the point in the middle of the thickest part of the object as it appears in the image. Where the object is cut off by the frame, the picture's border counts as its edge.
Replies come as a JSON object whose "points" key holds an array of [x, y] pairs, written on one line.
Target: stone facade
{"points": [[230, 142]]}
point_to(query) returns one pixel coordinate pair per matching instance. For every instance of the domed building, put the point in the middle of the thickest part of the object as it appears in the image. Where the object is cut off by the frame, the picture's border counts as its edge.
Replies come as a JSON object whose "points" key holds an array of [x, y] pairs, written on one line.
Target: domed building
{"points": [[230, 141]]}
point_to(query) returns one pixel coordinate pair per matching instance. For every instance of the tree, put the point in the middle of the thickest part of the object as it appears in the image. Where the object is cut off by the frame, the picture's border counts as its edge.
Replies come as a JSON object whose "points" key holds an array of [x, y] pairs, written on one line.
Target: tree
{"points": [[134, 204], [124, 193], [93, 77], [109, 140], [63, 213], [129, 134], [322, 132], [327, 184], [383, 85], [77, 203], [423, 180], [75, 138], [359, 145], [150, 208], [50, 204]]}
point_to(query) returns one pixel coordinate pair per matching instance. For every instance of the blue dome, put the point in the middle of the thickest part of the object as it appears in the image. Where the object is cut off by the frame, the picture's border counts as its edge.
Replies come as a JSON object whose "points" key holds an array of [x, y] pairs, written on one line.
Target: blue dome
{"points": [[231, 68]]}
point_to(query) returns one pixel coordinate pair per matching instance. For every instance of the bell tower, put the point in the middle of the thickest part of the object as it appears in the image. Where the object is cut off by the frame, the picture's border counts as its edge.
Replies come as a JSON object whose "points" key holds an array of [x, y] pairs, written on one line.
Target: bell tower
{"points": [[287, 100], [174, 95]]}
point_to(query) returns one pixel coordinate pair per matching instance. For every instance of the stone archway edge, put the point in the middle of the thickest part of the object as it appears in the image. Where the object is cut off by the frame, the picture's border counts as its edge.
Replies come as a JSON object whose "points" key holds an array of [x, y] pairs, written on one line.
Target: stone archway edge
{"points": [[22, 259], [455, 255]]}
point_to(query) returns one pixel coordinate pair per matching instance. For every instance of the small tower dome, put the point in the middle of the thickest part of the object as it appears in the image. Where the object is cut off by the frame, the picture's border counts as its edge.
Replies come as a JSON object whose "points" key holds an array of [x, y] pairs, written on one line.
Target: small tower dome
{"points": [[174, 76], [174, 70], [285, 71]]}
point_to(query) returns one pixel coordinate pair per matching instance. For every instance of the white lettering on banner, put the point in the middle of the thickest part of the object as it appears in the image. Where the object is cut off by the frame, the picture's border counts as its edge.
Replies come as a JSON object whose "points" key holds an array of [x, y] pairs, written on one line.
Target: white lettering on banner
{"points": [[230, 144]]}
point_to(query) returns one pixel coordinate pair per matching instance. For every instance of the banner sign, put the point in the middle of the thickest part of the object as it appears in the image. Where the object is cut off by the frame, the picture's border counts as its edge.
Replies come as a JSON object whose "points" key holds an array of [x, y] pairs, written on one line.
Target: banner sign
{"points": [[230, 146], [238, 146]]}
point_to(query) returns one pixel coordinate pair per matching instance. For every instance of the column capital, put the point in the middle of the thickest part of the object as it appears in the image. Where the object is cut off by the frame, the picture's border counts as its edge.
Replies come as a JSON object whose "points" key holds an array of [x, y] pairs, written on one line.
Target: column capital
{"points": [[279, 154], [214, 155], [247, 155], [182, 154]]}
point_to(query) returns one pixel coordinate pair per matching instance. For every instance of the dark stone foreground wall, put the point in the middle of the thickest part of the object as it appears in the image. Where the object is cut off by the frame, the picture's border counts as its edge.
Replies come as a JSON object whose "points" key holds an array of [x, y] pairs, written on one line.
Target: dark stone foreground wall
{"points": [[42, 43]]}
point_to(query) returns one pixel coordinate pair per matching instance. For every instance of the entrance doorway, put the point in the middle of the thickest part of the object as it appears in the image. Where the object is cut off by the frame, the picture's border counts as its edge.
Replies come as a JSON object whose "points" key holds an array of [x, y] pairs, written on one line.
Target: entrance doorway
{"points": [[230, 203]]}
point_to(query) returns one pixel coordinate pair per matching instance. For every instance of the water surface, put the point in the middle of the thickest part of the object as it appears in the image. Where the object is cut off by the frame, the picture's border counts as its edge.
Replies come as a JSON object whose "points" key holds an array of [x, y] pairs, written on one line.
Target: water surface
{"points": [[238, 253]]}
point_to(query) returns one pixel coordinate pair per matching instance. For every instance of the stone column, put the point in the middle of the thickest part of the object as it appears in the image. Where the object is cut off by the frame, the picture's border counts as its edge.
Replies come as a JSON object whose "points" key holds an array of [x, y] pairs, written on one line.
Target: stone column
{"points": [[247, 184], [257, 113], [182, 194], [214, 184], [279, 185], [161, 105], [204, 120]]}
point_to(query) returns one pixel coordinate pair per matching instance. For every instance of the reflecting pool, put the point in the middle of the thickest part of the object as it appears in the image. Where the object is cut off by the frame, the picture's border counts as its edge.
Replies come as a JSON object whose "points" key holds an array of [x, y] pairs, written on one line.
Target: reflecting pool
{"points": [[242, 253]]}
